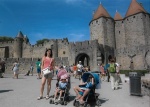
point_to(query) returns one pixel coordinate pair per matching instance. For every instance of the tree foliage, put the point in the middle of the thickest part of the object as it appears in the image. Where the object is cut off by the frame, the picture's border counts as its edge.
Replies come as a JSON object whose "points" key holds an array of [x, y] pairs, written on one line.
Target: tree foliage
{"points": [[5, 39], [41, 41]]}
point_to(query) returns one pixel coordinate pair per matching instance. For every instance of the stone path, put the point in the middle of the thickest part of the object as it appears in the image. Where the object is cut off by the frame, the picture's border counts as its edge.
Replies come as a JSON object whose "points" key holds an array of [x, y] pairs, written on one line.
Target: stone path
{"points": [[24, 92]]}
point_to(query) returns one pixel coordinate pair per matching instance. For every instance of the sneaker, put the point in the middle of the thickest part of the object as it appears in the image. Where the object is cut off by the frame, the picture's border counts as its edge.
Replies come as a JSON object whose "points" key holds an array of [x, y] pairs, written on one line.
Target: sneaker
{"points": [[39, 98], [116, 88], [113, 88], [58, 99]]}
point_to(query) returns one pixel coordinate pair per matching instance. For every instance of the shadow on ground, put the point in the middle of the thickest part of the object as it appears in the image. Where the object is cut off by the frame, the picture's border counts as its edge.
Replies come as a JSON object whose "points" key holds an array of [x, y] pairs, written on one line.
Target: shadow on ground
{"points": [[3, 91], [103, 100]]}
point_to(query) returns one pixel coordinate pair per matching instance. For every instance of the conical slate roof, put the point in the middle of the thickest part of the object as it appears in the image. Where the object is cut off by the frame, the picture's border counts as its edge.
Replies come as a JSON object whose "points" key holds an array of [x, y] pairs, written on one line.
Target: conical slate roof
{"points": [[118, 16], [20, 35], [101, 11], [134, 8]]}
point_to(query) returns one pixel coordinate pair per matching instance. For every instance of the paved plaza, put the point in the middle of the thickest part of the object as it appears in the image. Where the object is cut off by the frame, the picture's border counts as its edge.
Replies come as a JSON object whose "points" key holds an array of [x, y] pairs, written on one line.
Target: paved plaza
{"points": [[23, 92]]}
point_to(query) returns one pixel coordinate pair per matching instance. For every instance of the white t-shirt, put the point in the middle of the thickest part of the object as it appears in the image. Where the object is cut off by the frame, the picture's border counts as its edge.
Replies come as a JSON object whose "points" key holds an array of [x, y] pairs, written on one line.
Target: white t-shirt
{"points": [[79, 66]]}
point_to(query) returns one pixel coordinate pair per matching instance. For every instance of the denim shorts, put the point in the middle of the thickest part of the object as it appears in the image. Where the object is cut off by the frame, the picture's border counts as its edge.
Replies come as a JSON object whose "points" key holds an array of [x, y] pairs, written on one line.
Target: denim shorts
{"points": [[38, 70]]}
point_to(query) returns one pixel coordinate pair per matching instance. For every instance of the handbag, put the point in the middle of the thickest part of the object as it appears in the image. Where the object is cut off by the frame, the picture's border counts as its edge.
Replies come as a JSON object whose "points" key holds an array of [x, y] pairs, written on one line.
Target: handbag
{"points": [[46, 71]]}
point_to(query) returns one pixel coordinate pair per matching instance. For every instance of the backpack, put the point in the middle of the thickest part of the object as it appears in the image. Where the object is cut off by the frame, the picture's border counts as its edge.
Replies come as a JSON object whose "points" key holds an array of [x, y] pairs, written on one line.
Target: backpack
{"points": [[112, 68]]}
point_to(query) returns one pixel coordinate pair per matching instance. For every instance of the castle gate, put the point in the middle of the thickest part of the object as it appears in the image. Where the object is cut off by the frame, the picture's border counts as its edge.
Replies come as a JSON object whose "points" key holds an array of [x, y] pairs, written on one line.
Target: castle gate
{"points": [[4, 52], [84, 58]]}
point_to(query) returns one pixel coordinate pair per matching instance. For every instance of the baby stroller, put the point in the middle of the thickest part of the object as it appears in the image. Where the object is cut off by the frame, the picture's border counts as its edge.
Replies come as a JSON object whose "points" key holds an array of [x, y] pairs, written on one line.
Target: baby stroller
{"points": [[65, 95], [91, 96]]}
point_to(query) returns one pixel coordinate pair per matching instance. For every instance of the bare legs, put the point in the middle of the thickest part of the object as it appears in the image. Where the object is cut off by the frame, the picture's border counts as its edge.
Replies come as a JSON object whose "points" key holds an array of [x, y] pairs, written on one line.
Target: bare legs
{"points": [[39, 75], [77, 90], [60, 93], [48, 86], [84, 94], [15, 75]]}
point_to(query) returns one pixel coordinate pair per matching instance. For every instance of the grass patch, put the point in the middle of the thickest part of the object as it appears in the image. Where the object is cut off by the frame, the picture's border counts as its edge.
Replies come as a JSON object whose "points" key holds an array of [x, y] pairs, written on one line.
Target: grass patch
{"points": [[141, 72]]}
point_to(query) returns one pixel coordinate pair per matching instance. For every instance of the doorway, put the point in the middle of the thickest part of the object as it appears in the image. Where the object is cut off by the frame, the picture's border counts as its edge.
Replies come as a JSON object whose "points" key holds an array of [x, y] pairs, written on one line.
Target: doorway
{"points": [[84, 58]]}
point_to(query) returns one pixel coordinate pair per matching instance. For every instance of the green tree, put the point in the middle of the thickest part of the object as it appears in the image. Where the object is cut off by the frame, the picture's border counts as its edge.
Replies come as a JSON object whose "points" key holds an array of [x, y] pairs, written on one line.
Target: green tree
{"points": [[41, 41], [5, 39]]}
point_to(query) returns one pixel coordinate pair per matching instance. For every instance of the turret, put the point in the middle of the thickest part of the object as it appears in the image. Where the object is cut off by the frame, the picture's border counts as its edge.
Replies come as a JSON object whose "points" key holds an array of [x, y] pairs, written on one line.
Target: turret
{"points": [[18, 44], [102, 27]]}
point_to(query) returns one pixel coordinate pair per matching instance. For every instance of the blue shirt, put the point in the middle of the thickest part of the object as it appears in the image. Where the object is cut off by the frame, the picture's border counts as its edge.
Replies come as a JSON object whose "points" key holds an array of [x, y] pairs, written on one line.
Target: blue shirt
{"points": [[62, 85], [106, 67], [89, 85]]}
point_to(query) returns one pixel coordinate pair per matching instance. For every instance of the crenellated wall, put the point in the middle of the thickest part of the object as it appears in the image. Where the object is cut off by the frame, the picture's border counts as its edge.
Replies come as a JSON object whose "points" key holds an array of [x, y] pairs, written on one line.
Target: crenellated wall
{"points": [[121, 38]]}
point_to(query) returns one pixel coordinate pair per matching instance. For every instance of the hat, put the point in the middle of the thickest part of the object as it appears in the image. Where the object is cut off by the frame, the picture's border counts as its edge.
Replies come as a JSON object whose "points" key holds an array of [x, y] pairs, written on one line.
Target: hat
{"points": [[63, 77]]}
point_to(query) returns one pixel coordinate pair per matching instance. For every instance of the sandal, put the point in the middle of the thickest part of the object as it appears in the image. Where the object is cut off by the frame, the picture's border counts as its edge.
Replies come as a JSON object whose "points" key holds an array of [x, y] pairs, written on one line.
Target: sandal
{"points": [[39, 98], [47, 97], [81, 102]]}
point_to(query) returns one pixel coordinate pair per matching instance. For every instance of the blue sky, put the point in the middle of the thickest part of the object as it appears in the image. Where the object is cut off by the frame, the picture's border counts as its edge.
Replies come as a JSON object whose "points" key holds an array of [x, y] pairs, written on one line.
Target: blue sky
{"points": [[55, 19]]}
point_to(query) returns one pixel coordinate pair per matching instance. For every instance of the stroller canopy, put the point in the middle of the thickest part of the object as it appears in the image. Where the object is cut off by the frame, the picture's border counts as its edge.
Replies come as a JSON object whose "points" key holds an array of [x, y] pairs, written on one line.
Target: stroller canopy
{"points": [[61, 72], [96, 77]]}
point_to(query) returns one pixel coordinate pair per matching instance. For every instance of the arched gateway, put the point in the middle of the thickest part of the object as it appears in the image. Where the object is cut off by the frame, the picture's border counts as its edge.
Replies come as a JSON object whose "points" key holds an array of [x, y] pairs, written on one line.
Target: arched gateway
{"points": [[84, 58]]}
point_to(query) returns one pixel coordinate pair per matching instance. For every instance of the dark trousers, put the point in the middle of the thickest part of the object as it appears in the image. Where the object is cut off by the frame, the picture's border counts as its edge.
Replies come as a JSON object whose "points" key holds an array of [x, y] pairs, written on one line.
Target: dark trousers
{"points": [[108, 76]]}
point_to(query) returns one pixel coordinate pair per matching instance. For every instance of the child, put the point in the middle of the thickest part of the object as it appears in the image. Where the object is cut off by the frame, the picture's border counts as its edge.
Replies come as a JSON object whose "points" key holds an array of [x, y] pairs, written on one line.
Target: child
{"points": [[83, 91], [61, 87]]}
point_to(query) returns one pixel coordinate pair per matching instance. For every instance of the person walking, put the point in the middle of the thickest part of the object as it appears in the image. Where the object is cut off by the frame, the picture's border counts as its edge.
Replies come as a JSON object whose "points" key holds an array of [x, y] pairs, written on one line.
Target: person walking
{"points": [[31, 69], [113, 74], [47, 61], [102, 71], [79, 69], [74, 70], [118, 73], [106, 71], [16, 69], [2, 67], [38, 67]]}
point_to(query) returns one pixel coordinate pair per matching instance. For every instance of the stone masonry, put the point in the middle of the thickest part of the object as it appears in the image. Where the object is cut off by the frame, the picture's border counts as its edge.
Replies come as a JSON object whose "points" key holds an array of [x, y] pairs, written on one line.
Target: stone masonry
{"points": [[128, 39]]}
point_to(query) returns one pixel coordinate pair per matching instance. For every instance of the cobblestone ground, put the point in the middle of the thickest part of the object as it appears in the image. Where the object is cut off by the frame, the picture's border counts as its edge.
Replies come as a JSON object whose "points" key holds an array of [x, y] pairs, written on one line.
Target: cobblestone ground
{"points": [[23, 92]]}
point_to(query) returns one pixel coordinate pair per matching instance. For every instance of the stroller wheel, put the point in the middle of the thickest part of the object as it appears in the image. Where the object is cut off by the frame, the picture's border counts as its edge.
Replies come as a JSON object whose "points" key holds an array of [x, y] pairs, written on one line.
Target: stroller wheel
{"points": [[98, 102], [74, 102], [77, 104], [62, 103], [56, 103], [65, 103], [87, 105], [50, 101]]}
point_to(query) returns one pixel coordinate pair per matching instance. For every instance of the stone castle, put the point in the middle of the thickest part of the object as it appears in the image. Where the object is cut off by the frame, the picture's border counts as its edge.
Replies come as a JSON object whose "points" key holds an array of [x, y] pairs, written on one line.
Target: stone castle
{"points": [[128, 39]]}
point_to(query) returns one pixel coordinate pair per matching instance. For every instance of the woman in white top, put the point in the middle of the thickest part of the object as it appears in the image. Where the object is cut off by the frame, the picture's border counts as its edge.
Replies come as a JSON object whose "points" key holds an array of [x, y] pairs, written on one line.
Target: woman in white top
{"points": [[16, 69]]}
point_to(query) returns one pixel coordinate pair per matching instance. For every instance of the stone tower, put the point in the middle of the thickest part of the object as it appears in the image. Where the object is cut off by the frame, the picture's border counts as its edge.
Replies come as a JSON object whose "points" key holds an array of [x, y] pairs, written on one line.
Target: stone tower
{"points": [[102, 29], [132, 36], [18, 44], [123, 37]]}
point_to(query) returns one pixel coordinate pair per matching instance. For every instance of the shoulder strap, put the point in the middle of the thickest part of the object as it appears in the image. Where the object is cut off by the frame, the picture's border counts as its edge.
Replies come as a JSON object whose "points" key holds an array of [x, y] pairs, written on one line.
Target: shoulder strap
{"points": [[51, 60]]}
